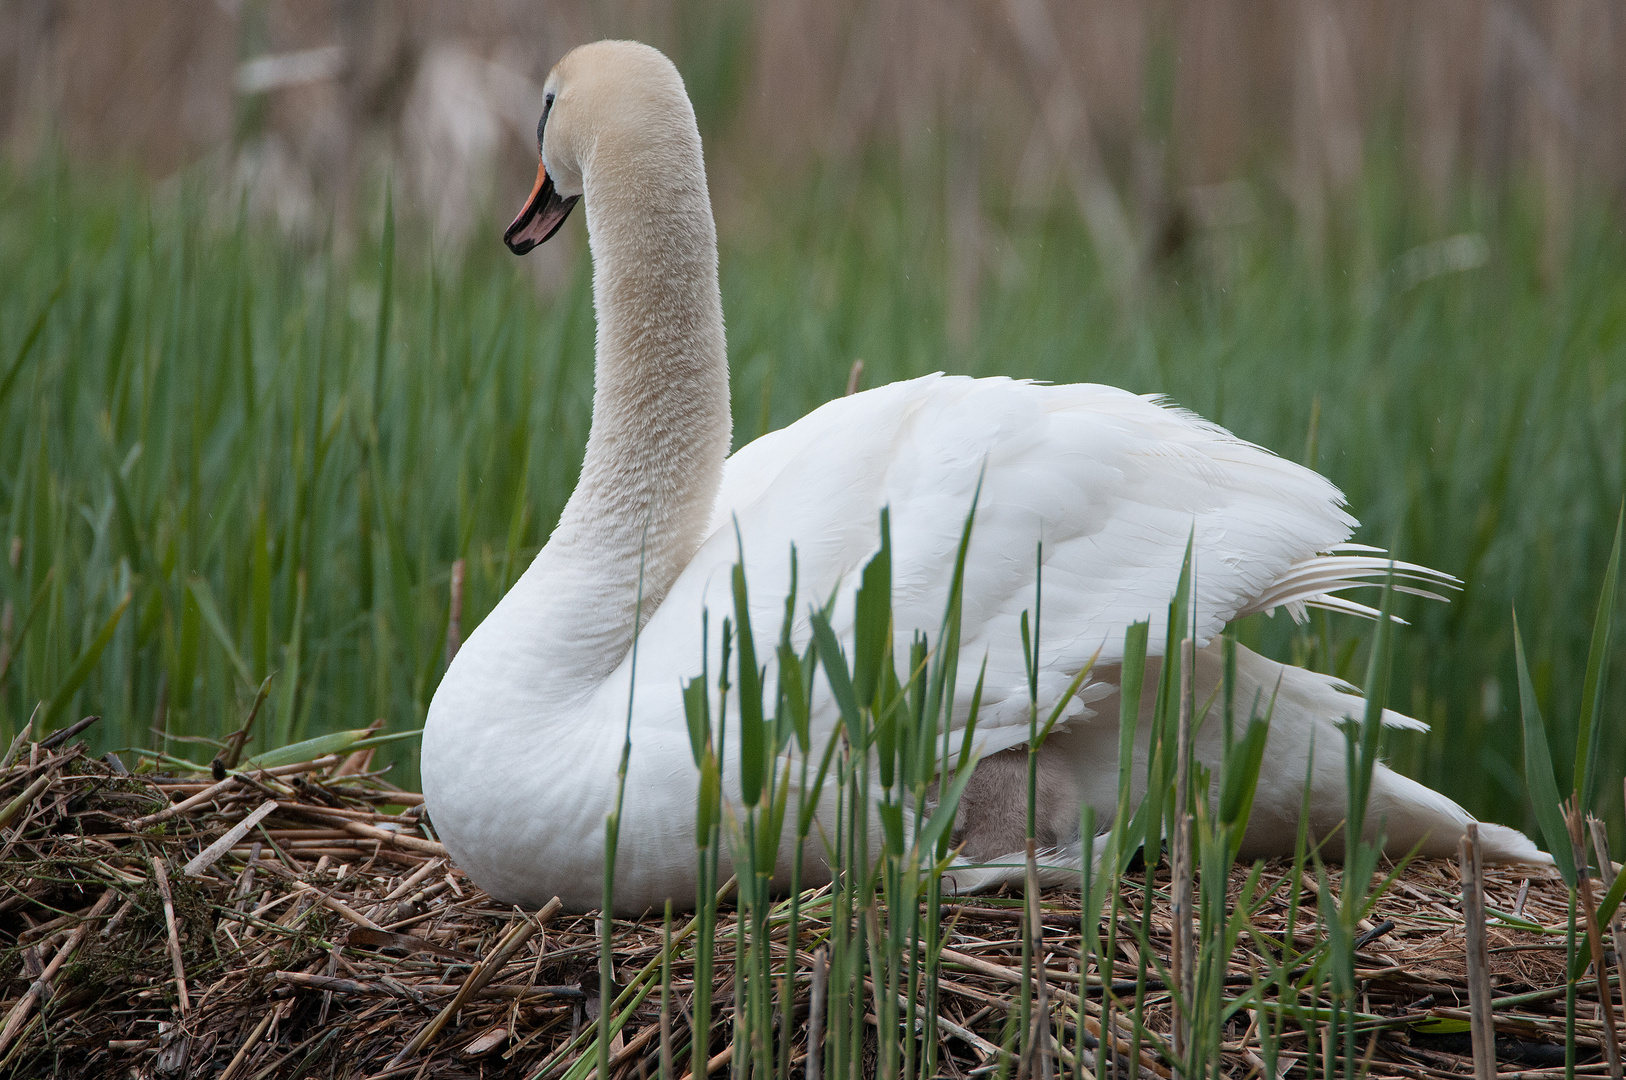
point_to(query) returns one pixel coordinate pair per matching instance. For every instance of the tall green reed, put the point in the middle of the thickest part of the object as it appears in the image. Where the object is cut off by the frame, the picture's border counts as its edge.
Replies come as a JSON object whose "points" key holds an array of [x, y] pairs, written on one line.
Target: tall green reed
{"points": [[878, 796], [897, 776], [188, 397], [1549, 808]]}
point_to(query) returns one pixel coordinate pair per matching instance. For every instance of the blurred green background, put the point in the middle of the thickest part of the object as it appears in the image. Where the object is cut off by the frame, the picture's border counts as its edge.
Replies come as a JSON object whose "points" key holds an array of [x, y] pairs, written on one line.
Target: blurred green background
{"points": [[266, 371]]}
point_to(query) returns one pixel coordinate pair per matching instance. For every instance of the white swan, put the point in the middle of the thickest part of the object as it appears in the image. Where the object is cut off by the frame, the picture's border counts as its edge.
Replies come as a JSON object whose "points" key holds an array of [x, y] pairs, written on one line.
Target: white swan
{"points": [[523, 737]]}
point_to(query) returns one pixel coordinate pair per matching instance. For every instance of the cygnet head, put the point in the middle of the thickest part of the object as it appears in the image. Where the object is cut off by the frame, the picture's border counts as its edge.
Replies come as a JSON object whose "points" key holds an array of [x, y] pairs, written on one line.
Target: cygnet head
{"points": [[612, 108]]}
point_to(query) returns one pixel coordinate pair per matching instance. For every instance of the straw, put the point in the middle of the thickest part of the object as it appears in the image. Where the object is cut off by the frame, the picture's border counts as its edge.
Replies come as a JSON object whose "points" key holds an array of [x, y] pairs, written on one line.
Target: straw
{"points": [[261, 941]]}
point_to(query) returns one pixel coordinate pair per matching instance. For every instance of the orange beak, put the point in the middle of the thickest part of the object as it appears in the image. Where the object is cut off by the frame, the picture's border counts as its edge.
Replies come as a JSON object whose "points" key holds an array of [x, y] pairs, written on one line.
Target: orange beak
{"points": [[544, 211]]}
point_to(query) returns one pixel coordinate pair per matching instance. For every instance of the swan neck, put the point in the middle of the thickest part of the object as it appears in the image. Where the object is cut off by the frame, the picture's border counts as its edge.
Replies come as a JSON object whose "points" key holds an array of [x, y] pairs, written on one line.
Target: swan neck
{"points": [[661, 424]]}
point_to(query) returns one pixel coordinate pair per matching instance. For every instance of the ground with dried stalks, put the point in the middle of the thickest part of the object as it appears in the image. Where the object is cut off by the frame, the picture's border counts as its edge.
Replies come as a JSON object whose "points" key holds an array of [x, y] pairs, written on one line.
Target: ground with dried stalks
{"points": [[302, 921]]}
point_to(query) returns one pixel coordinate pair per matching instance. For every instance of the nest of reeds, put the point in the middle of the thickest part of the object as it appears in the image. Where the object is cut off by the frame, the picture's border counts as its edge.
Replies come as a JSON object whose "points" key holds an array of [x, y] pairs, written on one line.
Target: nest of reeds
{"points": [[302, 921]]}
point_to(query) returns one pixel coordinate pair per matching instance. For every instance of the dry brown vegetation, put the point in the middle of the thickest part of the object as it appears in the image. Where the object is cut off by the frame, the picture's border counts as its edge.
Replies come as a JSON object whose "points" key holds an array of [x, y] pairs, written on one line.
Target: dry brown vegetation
{"points": [[1140, 111], [300, 921]]}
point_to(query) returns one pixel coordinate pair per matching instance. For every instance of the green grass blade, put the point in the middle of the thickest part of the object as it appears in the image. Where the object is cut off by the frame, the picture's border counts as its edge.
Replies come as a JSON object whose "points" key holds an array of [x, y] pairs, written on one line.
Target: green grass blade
{"points": [[35, 604], [834, 662], [259, 607], [1359, 766], [792, 706], [872, 626], [30, 339], [336, 742], [1241, 774], [1589, 730], [205, 597], [793, 702], [1538, 767], [697, 713], [753, 750], [292, 658], [1611, 901], [946, 662], [1131, 684], [124, 511], [82, 668], [386, 308]]}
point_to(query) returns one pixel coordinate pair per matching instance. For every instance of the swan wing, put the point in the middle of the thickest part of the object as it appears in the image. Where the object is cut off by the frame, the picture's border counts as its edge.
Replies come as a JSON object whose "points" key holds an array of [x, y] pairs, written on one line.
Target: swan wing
{"points": [[1092, 487]]}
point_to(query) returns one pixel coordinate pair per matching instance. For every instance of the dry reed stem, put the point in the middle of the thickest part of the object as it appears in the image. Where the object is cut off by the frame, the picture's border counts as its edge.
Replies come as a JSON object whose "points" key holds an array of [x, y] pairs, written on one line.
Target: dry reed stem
{"points": [[815, 1014], [340, 909], [1606, 876], [248, 1044], [184, 805], [161, 875], [211, 854], [1589, 905], [1182, 962], [16, 806], [480, 974], [454, 617], [1504, 90], [1479, 984], [18, 743]]}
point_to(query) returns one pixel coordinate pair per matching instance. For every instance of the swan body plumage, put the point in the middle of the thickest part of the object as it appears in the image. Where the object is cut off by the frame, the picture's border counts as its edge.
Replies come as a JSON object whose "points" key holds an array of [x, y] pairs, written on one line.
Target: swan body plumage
{"points": [[524, 734]]}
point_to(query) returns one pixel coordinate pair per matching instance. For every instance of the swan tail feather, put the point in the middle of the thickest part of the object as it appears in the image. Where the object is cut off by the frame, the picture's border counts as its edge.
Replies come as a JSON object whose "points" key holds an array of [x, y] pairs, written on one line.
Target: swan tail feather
{"points": [[1314, 582], [1410, 815], [1306, 693], [1500, 844], [1057, 866], [1395, 721]]}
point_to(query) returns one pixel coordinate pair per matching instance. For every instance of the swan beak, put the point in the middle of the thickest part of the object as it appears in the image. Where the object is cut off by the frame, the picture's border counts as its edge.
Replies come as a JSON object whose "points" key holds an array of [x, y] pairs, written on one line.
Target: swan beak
{"points": [[540, 217]]}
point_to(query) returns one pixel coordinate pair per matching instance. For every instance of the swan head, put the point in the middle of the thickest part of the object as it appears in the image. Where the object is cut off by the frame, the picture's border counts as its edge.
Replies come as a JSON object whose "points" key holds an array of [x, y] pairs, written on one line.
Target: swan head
{"points": [[609, 107]]}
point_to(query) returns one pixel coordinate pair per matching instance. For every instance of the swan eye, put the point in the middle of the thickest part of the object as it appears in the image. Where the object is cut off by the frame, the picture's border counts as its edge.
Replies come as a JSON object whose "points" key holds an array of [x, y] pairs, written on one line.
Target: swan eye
{"points": [[547, 107]]}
